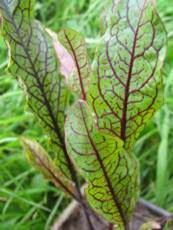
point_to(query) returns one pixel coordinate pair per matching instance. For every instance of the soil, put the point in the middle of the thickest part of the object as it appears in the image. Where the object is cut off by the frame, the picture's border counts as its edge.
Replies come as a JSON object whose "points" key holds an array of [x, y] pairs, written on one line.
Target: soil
{"points": [[73, 218]]}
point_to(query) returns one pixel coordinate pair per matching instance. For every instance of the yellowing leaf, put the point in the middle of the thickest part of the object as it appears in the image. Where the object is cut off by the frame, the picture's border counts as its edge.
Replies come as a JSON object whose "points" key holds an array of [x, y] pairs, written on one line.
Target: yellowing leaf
{"points": [[40, 159]]}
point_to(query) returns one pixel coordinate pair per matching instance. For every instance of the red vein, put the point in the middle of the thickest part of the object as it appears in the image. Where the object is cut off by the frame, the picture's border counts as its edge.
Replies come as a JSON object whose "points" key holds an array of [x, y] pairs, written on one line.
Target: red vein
{"points": [[109, 183], [77, 66], [127, 88]]}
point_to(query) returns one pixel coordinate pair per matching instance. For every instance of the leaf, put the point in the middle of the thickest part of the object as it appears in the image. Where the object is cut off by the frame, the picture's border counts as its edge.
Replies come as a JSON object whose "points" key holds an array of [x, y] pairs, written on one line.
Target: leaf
{"points": [[75, 44], [151, 225], [40, 159], [34, 62], [65, 58], [112, 174], [127, 84]]}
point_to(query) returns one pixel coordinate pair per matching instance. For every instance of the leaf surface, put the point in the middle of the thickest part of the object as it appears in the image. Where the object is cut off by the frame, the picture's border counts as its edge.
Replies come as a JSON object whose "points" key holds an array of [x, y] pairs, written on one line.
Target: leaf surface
{"points": [[35, 64], [127, 82], [111, 173], [74, 42]]}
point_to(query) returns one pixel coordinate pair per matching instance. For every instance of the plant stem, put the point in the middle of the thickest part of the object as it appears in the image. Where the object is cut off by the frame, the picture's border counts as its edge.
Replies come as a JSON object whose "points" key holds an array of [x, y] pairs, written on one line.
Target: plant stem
{"points": [[88, 219], [127, 226], [79, 194], [111, 226], [84, 207]]}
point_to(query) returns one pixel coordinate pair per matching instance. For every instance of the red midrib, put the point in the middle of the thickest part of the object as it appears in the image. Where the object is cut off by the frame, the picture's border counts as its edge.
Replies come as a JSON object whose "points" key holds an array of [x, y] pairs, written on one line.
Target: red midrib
{"points": [[127, 88], [108, 181], [77, 66]]}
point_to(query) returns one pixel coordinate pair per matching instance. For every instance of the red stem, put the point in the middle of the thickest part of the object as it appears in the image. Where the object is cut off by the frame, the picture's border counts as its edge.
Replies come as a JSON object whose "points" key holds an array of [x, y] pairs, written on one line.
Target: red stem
{"points": [[111, 226]]}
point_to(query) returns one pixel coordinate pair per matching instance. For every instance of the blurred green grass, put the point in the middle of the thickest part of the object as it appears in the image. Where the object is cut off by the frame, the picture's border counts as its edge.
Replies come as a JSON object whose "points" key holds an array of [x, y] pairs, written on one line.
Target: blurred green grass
{"points": [[27, 201]]}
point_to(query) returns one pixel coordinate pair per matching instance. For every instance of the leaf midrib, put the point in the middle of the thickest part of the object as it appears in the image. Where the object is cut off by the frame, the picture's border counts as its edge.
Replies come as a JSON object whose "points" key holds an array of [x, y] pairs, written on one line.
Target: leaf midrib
{"points": [[129, 77], [77, 66], [110, 186]]}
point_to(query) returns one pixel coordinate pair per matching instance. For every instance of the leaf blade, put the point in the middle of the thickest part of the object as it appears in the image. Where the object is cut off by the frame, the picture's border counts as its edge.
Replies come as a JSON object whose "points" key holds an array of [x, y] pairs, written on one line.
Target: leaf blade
{"points": [[127, 84], [34, 63], [112, 174]]}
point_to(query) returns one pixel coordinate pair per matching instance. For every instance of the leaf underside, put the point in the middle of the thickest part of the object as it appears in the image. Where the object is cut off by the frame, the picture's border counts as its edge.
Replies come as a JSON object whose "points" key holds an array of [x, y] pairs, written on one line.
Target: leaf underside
{"points": [[111, 173], [127, 82], [34, 63]]}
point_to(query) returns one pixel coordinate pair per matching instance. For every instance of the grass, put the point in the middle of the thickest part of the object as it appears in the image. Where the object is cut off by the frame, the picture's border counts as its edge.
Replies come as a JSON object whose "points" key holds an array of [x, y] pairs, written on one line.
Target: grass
{"points": [[27, 201], [154, 148]]}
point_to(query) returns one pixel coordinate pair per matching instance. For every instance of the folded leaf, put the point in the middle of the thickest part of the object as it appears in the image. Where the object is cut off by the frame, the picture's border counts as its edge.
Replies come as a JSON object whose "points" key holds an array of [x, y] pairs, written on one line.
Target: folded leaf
{"points": [[112, 173], [74, 42], [127, 84], [40, 159], [65, 58], [34, 62]]}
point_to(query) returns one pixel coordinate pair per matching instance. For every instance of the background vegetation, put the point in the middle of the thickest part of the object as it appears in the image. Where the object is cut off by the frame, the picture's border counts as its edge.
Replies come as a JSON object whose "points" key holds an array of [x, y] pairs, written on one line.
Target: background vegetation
{"points": [[27, 201]]}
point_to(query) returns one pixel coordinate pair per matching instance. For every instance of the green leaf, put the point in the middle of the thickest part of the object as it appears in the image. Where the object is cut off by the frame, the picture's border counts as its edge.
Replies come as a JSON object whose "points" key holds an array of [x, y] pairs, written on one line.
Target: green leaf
{"points": [[127, 82], [34, 63], [26, 11], [74, 42], [112, 173], [40, 159]]}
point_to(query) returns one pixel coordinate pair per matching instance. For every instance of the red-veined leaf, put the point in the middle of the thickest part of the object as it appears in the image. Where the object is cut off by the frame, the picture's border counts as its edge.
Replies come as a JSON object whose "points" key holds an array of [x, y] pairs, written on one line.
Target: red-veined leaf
{"points": [[112, 174], [74, 42], [127, 83], [35, 64]]}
